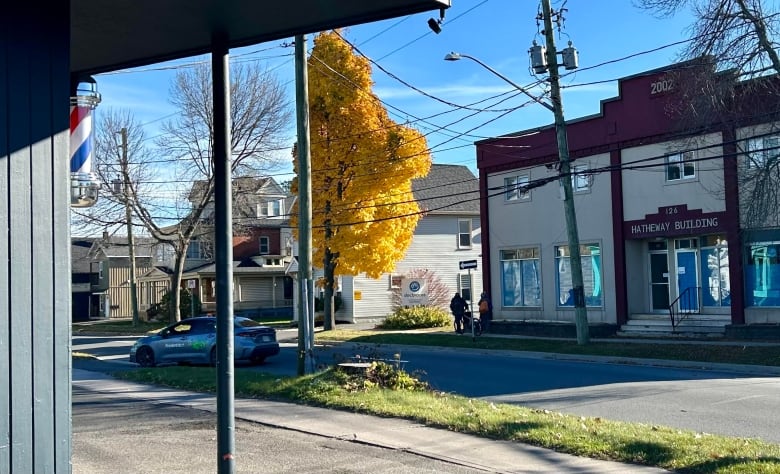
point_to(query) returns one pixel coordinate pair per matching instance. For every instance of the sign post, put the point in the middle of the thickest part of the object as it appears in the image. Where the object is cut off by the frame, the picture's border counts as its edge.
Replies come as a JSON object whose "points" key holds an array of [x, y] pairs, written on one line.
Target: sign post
{"points": [[191, 285], [468, 265]]}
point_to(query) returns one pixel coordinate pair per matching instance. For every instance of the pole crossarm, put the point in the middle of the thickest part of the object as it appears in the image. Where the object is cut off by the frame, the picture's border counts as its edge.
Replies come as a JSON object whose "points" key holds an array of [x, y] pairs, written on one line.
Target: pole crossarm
{"points": [[453, 56]]}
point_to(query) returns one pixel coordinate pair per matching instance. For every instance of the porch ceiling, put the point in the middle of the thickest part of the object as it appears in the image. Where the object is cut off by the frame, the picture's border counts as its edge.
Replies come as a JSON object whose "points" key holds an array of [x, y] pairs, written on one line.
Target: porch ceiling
{"points": [[112, 35]]}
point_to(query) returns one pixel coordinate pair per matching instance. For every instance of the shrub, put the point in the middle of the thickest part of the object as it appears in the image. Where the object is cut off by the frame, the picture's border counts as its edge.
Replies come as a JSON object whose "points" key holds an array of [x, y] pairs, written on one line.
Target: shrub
{"points": [[184, 305], [319, 303], [380, 375], [417, 317]]}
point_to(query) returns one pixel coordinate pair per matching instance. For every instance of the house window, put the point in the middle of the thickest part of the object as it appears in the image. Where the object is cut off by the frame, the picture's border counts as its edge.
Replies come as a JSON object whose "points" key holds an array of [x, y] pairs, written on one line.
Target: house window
{"points": [[464, 286], [521, 282], [270, 208], [762, 150], [100, 270], [265, 245], [395, 281], [580, 180], [193, 250], [763, 274], [590, 259], [464, 233], [514, 188], [680, 166], [275, 208]]}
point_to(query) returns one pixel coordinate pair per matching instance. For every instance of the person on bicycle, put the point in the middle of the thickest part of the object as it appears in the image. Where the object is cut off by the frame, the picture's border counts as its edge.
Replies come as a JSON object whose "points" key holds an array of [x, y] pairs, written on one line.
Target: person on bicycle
{"points": [[458, 308], [485, 311]]}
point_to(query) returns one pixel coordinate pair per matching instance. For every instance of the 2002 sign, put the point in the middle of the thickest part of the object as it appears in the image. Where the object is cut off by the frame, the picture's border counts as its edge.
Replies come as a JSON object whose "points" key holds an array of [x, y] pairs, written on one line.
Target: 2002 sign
{"points": [[662, 85]]}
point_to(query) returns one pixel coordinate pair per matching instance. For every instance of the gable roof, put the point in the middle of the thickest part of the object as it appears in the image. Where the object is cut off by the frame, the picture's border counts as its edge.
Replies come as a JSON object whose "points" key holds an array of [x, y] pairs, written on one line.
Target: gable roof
{"points": [[448, 189], [117, 246], [79, 254]]}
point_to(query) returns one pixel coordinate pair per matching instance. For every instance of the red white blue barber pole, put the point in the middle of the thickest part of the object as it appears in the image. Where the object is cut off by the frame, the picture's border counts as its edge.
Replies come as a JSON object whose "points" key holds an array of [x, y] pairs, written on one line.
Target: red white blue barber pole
{"points": [[84, 184]]}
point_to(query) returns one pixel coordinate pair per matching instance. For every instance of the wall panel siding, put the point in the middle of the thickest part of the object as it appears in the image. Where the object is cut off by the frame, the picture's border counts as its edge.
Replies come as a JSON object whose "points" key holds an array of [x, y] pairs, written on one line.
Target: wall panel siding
{"points": [[35, 248], [256, 289], [41, 162], [540, 222], [434, 247], [20, 247], [5, 284], [119, 291]]}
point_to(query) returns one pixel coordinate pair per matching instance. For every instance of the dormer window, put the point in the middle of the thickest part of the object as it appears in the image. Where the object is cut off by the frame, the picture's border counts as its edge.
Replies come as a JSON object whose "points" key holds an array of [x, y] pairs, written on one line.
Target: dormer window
{"points": [[270, 208]]}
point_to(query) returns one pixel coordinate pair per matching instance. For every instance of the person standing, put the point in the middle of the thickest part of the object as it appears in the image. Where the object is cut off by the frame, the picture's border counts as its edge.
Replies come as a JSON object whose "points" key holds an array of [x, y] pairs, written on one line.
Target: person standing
{"points": [[485, 311], [458, 308]]}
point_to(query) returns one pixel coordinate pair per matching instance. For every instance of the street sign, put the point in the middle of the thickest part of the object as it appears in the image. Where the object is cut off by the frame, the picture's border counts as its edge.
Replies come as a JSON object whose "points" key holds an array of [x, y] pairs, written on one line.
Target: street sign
{"points": [[467, 264], [414, 292]]}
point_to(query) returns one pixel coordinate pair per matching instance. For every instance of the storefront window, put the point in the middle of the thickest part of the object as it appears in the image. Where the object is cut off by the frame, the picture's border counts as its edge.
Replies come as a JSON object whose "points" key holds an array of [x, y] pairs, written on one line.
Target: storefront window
{"points": [[762, 271], [590, 258], [715, 272], [520, 278]]}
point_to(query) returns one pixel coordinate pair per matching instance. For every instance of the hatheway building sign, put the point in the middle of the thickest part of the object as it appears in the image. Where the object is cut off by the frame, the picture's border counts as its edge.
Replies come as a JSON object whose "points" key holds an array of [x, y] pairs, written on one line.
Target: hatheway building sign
{"points": [[675, 220]]}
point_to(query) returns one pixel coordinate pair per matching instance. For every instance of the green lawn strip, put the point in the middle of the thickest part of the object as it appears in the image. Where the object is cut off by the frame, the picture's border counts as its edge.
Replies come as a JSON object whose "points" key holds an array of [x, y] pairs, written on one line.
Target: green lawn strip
{"points": [[729, 354], [117, 328], [679, 450]]}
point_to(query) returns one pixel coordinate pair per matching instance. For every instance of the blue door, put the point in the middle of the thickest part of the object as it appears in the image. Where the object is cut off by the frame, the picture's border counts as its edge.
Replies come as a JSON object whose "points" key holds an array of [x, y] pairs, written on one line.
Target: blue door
{"points": [[687, 281]]}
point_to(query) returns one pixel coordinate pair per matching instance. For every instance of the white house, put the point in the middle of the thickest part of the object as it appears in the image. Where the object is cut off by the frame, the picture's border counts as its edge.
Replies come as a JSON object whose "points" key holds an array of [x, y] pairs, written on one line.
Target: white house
{"points": [[448, 233]]}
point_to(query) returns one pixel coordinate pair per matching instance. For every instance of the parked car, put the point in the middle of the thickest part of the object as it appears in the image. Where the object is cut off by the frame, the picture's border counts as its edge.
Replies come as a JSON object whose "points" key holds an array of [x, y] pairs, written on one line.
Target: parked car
{"points": [[194, 341]]}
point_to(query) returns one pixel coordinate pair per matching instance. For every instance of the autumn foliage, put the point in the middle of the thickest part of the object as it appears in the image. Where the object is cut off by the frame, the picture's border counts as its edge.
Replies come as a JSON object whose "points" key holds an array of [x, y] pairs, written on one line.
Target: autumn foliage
{"points": [[362, 165]]}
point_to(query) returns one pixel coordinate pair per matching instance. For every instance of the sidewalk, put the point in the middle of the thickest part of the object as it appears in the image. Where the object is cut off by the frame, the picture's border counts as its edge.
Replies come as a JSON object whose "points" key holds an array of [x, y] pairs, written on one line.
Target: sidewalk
{"points": [[465, 450]]}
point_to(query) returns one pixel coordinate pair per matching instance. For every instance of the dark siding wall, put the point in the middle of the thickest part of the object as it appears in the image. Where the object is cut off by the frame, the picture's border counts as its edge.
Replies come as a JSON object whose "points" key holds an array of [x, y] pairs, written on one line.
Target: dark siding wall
{"points": [[35, 253]]}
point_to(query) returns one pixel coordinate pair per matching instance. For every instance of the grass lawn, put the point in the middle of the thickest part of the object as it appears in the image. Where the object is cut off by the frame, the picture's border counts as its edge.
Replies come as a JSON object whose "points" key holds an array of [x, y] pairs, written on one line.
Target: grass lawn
{"points": [[681, 451], [729, 354], [124, 327]]}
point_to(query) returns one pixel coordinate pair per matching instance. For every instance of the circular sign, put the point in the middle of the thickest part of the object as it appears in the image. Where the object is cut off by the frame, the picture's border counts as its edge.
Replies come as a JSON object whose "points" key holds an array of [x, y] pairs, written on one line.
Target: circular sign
{"points": [[414, 286]]}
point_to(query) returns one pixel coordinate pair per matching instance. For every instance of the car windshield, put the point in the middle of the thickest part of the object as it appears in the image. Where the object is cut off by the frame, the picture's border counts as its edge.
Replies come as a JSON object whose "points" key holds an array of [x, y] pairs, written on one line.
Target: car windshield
{"points": [[246, 323]]}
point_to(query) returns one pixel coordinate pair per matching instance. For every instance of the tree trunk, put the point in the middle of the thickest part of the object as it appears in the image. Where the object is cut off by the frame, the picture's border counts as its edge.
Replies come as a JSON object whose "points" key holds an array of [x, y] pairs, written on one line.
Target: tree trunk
{"points": [[178, 269], [329, 306]]}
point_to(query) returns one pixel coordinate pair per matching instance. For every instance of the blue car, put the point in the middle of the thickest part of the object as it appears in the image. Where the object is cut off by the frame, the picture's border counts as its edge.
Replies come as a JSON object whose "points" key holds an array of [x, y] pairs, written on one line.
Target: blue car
{"points": [[194, 341]]}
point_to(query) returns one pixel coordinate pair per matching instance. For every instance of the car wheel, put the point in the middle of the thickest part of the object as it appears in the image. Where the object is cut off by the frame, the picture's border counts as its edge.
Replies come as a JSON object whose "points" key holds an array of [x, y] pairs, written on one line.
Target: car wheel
{"points": [[213, 357], [258, 360], [145, 357]]}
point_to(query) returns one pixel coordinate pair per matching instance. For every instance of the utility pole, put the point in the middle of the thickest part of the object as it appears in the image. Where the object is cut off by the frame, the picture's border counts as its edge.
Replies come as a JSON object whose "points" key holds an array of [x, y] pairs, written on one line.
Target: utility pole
{"points": [[305, 286], [127, 194], [580, 311]]}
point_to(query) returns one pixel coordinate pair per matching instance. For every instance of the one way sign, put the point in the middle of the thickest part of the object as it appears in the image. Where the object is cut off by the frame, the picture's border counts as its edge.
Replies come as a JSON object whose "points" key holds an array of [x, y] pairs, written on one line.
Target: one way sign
{"points": [[467, 264]]}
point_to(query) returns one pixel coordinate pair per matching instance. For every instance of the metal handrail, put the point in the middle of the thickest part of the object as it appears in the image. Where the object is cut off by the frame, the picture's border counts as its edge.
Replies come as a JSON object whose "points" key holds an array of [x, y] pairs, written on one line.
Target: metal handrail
{"points": [[676, 314]]}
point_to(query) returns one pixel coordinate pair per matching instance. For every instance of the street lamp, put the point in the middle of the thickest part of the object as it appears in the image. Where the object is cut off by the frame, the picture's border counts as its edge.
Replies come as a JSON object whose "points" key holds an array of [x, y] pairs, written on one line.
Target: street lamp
{"points": [[453, 56], [551, 62]]}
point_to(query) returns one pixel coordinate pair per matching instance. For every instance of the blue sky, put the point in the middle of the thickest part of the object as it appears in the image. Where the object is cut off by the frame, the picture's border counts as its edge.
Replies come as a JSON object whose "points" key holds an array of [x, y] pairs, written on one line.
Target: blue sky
{"points": [[498, 32]]}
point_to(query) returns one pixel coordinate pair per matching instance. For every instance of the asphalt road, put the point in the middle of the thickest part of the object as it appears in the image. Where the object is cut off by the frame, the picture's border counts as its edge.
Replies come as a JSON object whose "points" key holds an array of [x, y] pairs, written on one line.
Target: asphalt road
{"points": [[709, 401], [151, 438]]}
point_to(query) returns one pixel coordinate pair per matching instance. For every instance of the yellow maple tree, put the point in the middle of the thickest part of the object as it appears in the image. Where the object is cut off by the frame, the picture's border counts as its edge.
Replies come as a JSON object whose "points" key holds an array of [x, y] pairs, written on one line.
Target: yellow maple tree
{"points": [[362, 167]]}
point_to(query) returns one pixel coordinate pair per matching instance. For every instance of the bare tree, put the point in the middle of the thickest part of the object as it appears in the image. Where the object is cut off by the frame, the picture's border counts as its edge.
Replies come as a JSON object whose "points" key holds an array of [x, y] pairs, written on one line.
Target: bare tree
{"points": [[733, 50], [260, 114], [260, 117]]}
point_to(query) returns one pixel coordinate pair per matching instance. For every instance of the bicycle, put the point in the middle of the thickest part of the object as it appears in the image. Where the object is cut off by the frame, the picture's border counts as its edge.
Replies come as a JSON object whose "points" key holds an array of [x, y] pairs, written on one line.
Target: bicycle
{"points": [[467, 319]]}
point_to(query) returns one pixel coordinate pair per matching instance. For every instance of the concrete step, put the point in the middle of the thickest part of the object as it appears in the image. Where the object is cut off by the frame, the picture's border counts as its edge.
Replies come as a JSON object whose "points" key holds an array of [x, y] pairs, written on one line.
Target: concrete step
{"points": [[667, 335], [659, 325]]}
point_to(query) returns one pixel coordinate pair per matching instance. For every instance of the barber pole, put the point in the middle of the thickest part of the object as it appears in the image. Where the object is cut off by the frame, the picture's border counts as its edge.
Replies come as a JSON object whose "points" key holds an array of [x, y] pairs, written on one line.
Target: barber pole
{"points": [[84, 183]]}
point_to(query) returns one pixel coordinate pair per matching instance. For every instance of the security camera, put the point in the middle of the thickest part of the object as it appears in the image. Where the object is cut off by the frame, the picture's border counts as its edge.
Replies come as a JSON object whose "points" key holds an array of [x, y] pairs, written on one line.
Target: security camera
{"points": [[434, 25]]}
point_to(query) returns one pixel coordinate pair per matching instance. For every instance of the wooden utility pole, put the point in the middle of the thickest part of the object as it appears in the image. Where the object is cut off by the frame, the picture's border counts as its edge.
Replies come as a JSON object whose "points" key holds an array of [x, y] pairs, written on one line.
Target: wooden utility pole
{"points": [[127, 195], [580, 311]]}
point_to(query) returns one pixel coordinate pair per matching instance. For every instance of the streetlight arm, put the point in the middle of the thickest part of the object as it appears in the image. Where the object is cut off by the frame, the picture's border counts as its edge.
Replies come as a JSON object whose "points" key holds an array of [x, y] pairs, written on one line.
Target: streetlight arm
{"points": [[456, 56]]}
